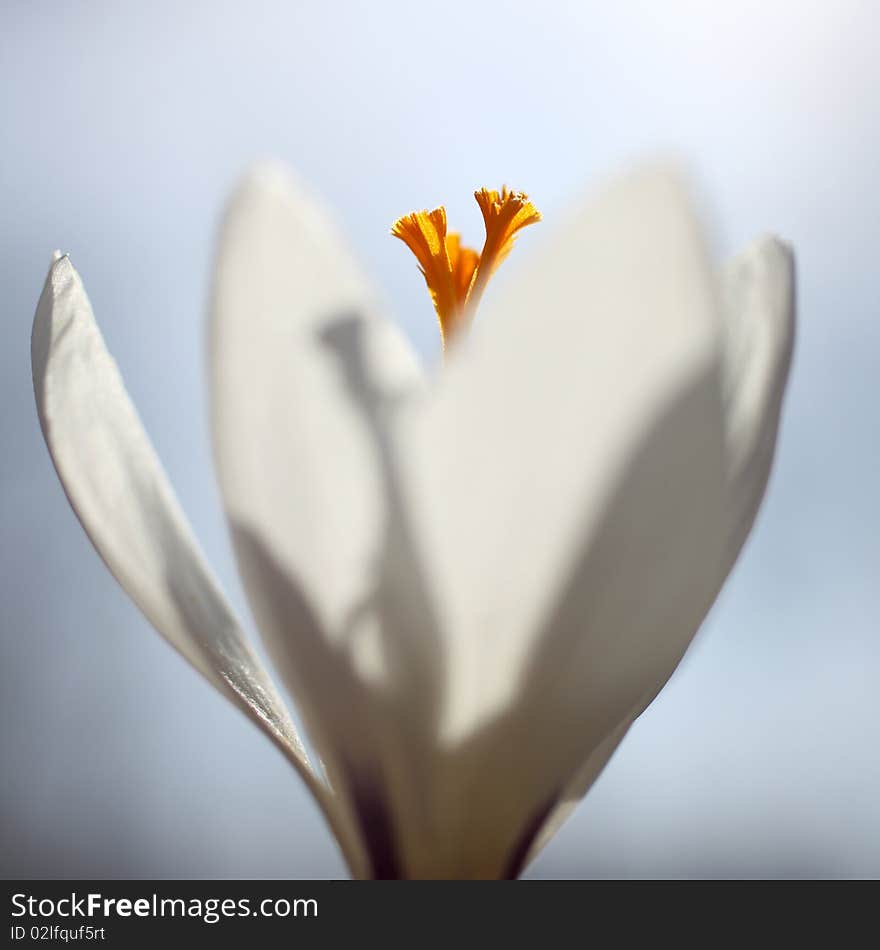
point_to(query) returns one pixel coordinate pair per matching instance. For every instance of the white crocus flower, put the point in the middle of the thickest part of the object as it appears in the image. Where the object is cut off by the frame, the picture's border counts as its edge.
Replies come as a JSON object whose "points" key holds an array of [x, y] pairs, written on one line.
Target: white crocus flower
{"points": [[471, 582]]}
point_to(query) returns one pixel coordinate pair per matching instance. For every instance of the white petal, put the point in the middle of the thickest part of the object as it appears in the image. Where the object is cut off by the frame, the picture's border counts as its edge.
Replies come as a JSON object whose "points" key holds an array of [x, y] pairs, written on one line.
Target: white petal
{"points": [[759, 309], [573, 367], [122, 497], [295, 459], [573, 503], [577, 788], [758, 304], [306, 381]]}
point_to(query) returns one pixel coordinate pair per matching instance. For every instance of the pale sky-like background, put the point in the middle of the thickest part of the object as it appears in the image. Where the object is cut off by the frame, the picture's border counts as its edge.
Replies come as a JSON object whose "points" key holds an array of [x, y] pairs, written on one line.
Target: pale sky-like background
{"points": [[123, 127]]}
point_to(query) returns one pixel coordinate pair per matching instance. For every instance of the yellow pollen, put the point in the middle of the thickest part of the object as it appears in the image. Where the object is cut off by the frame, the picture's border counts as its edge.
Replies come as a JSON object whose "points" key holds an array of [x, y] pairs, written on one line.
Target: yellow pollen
{"points": [[457, 275]]}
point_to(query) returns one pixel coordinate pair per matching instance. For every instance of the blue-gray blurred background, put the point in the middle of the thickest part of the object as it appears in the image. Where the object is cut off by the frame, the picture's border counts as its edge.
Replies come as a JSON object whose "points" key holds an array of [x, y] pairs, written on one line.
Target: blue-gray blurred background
{"points": [[123, 126]]}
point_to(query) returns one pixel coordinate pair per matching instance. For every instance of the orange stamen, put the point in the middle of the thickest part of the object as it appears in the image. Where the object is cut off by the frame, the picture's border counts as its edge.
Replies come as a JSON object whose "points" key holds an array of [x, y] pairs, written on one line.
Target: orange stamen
{"points": [[457, 275], [505, 215]]}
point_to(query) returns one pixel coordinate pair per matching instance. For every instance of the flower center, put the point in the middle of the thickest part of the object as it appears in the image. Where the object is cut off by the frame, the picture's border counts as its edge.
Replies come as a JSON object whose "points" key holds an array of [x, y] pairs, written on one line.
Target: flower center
{"points": [[457, 275]]}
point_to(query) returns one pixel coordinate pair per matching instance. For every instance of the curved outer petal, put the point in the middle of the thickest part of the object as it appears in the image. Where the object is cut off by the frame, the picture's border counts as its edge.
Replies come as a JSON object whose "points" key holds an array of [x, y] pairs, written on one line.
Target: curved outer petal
{"points": [[569, 485], [121, 495], [758, 294], [757, 290], [306, 381]]}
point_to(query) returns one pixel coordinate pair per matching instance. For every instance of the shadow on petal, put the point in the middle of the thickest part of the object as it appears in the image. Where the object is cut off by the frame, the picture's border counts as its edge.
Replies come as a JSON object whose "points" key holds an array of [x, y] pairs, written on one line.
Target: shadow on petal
{"points": [[334, 700], [376, 734], [638, 589]]}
